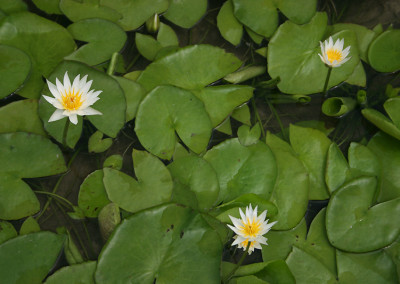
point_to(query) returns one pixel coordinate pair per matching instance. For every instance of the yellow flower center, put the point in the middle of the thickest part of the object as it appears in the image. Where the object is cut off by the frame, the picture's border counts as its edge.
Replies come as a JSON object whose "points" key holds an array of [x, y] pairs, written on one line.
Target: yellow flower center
{"points": [[334, 54], [71, 100], [244, 243], [251, 229]]}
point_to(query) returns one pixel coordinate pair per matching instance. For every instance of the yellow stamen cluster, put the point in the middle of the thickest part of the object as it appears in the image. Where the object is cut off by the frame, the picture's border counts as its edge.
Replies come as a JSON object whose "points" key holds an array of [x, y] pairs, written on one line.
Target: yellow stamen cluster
{"points": [[334, 54], [72, 101]]}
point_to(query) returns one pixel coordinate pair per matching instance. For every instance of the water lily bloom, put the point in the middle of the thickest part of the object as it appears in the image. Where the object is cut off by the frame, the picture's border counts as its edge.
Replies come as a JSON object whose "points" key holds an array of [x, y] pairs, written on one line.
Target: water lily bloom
{"points": [[250, 228], [72, 100], [333, 55]]}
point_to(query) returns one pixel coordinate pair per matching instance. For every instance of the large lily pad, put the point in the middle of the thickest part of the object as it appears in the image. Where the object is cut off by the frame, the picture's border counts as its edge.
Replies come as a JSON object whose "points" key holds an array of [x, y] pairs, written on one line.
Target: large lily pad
{"points": [[259, 15], [195, 182], [384, 52], [186, 13], [28, 258], [168, 245], [387, 151], [15, 66], [103, 39], [77, 10], [135, 13], [191, 67], [111, 104], [229, 27], [292, 184], [299, 12], [167, 110], [243, 169], [293, 57], [351, 214], [153, 186], [44, 41], [312, 147], [21, 116], [49, 6], [220, 101], [74, 274], [13, 6]]}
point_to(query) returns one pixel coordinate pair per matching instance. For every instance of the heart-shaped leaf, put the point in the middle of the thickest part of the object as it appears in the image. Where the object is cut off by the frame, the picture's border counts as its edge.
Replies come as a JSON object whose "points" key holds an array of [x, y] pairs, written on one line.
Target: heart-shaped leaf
{"points": [[243, 169], [290, 193], [114, 162], [174, 234], [195, 182], [97, 144], [15, 66], [167, 110], [192, 67], [351, 214], [21, 116], [44, 41], [248, 136], [28, 258], [103, 39], [153, 186], [293, 57], [78, 273]]}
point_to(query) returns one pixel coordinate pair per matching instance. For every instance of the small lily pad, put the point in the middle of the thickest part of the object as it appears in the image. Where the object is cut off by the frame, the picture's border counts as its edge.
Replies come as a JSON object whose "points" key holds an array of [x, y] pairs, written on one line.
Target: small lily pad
{"points": [[114, 162], [229, 27], [186, 13], [109, 218], [29, 226], [248, 136], [97, 144], [167, 110]]}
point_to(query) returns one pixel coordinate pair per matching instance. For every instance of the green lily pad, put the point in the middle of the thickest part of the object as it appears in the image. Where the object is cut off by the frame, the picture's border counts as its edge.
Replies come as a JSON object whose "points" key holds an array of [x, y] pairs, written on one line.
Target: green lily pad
{"points": [[312, 147], [392, 107], [191, 67], [384, 52], [111, 104], [109, 218], [245, 73], [7, 231], [29, 226], [167, 110], [174, 234], [350, 214], [134, 94], [337, 169], [195, 182], [359, 77], [74, 274], [114, 162], [382, 122], [293, 57], [280, 242], [44, 41], [362, 161], [248, 136], [48, 6], [242, 114], [15, 66], [11, 119], [103, 39], [220, 101], [87, 9], [153, 186], [97, 144], [92, 194], [229, 27], [299, 12], [186, 13], [147, 46], [13, 6], [338, 106], [291, 187], [243, 169], [387, 151], [259, 15], [225, 127], [28, 258], [367, 268], [135, 13]]}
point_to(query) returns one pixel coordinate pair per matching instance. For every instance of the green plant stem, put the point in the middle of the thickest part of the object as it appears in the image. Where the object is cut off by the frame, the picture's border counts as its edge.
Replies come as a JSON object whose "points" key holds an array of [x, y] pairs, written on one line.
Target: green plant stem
{"points": [[327, 81], [113, 63], [253, 102], [273, 110], [65, 132], [238, 264], [57, 196]]}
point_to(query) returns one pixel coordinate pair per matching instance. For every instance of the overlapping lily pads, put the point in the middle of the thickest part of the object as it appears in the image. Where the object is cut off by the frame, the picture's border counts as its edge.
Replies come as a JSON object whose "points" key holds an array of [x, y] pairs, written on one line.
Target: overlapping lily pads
{"points": [[185, 13]]}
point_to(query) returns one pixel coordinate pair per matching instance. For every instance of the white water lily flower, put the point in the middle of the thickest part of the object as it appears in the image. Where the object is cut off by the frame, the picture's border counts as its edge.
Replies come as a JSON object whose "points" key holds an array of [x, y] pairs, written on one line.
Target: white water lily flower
{"points": [[72, 100], [250, 228], [333, 55]]}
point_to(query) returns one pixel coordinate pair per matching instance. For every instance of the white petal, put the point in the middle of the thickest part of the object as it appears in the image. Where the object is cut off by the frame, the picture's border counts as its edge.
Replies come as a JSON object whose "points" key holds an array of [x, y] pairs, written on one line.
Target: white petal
{"points": [[86, 87], [75, 84], [238, 240], [82, 83], [60, 87], [323, 60], [67, 82], [262, 216], [91, 111], [53, 89], [88, 102], [73, 118], [54, 102], [57, 115], [242, 215], [330, 42]]}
